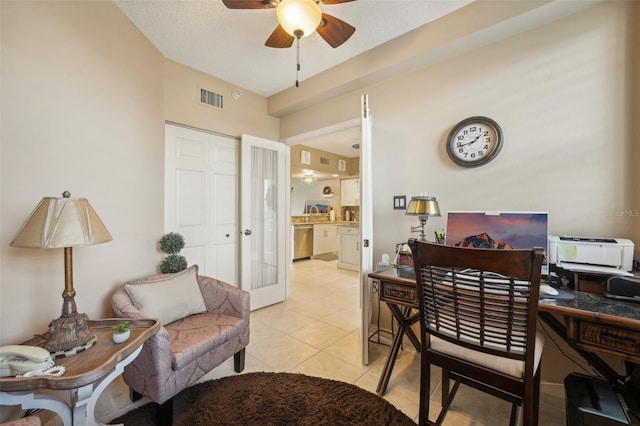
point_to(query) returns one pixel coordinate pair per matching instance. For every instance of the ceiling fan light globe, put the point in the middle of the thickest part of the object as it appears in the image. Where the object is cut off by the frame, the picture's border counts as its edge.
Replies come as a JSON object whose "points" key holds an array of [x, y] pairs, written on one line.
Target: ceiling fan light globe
{"points": [[299, 18]]}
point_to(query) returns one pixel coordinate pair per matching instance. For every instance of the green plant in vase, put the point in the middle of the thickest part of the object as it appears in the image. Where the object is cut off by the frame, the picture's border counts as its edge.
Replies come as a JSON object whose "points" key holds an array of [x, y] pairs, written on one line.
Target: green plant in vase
{"points": [[121, 332], [171, 244]]}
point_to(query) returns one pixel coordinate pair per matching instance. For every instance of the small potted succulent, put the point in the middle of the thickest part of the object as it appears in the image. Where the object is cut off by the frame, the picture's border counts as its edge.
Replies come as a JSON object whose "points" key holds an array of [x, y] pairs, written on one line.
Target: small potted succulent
{"points": [[121, 332], [171, 244]]}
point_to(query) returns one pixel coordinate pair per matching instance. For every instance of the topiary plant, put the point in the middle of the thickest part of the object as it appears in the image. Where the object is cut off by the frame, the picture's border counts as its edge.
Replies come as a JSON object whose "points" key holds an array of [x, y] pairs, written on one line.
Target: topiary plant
{"points": [[171, 244], [173, 263]]}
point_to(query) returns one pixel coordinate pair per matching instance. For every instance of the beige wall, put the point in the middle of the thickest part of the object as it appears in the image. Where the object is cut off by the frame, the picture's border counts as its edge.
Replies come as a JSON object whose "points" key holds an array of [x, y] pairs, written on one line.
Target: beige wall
{"points": [[560, 93], [81, 111], [246, 115], [84, 100]]}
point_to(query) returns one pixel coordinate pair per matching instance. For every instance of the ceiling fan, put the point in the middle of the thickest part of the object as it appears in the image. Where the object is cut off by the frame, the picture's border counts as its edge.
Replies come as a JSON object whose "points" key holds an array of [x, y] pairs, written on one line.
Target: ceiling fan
{"points": [[299, 18]]}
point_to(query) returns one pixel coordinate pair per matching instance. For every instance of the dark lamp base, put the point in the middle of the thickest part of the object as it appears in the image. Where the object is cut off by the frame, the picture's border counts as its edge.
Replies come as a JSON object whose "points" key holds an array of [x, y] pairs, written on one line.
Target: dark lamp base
{"points": [[69, 335]]}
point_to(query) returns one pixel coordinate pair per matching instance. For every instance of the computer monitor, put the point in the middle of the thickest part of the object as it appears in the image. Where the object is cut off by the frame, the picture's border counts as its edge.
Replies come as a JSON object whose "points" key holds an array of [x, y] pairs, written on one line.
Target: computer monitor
{"points": [[498, 230]]}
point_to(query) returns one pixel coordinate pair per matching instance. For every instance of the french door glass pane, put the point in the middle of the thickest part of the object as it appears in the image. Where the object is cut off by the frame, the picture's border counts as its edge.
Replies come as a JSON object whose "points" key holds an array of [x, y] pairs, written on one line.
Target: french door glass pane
{"points": [[264, 224]]}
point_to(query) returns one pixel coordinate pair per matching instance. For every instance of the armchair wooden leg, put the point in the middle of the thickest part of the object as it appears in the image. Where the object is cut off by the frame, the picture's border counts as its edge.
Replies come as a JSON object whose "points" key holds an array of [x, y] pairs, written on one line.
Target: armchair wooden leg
{"points": [[164, 413], [133, 395], [238, 361]]}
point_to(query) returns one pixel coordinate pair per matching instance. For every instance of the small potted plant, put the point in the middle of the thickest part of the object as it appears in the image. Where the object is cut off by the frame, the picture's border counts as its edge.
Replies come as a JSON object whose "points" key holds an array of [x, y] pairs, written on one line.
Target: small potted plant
{"points": [[121, 332]]}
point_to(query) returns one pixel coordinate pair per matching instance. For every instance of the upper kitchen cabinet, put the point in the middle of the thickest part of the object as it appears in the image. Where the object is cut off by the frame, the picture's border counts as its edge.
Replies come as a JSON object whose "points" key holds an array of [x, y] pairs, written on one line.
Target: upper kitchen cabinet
{"points": [[350, 192]]}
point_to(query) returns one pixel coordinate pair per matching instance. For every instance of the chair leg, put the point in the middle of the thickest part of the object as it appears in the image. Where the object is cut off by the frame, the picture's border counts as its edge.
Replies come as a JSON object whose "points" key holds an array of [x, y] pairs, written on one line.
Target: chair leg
{"points": [[446, 404], [164, 413], [425, 385], [238, 361], [445, 385], [133, 395], [531, 401]]}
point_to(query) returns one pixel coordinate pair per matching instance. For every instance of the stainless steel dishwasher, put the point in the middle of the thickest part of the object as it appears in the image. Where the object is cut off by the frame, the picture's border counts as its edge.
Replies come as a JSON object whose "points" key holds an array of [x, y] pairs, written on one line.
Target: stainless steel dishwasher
{"points": [[302, 241]]}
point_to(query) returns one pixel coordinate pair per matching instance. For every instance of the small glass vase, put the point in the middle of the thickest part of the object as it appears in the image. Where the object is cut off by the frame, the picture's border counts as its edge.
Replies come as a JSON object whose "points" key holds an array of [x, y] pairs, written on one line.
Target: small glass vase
{"points": [[121, 337]]}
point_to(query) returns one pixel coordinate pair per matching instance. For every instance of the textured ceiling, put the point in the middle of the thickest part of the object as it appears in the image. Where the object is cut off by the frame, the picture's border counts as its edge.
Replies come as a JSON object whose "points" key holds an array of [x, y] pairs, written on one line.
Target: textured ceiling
{"points": [[229, 44]]}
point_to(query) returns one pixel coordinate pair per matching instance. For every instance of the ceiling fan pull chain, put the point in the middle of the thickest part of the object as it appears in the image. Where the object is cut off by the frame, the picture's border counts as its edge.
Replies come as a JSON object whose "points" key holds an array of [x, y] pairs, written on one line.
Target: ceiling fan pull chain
{"points": [[297, 60]]}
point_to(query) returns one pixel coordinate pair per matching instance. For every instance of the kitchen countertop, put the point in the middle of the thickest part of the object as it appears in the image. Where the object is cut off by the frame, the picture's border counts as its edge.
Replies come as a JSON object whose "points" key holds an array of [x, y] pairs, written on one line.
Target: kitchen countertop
{"points": [[338, 223]]}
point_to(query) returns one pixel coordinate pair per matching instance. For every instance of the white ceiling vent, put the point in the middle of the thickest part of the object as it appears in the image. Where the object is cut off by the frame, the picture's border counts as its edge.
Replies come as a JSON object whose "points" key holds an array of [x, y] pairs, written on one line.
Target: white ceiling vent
{"points": [[211, 98]]}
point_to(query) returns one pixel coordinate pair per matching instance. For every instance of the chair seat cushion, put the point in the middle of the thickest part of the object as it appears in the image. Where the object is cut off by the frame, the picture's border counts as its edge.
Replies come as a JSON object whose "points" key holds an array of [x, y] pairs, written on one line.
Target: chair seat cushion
{"points": [[511, 367], [195, 335]]}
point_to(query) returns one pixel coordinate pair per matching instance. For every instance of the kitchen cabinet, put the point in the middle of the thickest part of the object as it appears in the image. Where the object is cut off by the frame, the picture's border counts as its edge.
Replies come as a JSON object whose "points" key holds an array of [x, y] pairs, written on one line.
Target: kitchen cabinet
{"points": [[325, 238], [350, 192], [349, 247]]}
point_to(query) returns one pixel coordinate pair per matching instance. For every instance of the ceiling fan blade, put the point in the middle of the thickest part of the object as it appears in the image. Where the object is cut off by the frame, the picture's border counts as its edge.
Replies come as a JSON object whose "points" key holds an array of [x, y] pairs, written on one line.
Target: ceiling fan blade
{"points": [[334, 31], [335, 1], [250, 4], [279, 38]]}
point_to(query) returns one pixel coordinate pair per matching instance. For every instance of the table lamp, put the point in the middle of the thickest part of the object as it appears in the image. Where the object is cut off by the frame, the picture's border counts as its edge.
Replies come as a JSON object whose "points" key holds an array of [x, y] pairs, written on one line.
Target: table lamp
{"points": [[424, 207], [64, 223]]}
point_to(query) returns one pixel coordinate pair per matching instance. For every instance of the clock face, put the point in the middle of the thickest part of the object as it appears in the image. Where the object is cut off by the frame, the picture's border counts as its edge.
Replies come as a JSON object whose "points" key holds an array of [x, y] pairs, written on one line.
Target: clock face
{"points": [[474, 141]]}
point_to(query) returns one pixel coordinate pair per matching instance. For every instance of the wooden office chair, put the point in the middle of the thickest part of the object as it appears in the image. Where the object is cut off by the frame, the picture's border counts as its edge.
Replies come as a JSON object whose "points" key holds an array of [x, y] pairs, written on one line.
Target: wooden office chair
{"points": [[480, 328]]}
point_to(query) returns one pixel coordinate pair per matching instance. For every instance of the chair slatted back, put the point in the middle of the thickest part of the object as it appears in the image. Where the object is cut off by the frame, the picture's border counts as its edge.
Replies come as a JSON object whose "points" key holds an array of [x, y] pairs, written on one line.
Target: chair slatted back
{"points": [[481, 299]]}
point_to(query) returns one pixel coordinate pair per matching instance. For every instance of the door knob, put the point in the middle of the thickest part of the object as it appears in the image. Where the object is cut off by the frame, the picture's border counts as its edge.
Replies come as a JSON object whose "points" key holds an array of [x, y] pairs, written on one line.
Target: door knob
{"points": [[247, 232]]}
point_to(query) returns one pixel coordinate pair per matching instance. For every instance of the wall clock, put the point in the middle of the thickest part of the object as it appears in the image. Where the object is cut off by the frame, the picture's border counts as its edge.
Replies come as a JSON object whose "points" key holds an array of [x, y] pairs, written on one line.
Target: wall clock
{"points": [[474, 141]]}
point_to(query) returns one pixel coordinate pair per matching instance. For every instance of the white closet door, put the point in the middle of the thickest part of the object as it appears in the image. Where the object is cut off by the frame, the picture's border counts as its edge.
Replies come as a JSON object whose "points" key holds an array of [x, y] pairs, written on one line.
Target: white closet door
{"points": [[201, 186]]}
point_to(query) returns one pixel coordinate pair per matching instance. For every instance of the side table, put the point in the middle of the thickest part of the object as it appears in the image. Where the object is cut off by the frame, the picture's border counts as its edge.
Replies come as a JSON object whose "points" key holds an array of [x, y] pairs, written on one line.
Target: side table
{"points": [[397, 288], [73, 395]]}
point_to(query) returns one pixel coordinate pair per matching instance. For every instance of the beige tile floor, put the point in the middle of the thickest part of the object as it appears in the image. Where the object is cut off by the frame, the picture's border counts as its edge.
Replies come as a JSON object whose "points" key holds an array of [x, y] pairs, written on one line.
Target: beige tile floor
{"points": [[315, 332]]}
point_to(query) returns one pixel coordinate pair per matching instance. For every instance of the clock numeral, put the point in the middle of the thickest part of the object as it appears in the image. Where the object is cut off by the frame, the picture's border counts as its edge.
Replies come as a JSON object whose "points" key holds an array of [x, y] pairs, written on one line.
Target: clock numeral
{"points": [[473, 129], [485, 147], [460, 137], [460, 150]]}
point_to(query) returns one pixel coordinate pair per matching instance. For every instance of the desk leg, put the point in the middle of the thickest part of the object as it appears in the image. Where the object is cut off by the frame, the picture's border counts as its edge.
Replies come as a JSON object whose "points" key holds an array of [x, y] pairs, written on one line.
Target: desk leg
{"points": [[391, 360], [84, 399], [29, 399], [405, 320], [408, 321]]}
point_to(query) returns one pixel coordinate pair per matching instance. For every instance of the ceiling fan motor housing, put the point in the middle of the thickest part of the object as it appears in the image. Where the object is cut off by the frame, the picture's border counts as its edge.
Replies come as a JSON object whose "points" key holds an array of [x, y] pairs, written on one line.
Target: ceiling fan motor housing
{"points": [[299, 18]]}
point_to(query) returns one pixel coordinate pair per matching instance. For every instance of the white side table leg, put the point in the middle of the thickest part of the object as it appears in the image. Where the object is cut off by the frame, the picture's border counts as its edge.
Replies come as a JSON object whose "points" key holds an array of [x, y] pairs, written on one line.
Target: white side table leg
{"points": [[84, 399], [30, 399]]}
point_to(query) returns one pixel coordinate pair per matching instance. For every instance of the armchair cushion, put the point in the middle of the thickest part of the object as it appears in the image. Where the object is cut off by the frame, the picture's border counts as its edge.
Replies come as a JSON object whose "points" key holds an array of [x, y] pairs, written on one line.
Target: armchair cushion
{"points": [[196, 335], [168, 297]]}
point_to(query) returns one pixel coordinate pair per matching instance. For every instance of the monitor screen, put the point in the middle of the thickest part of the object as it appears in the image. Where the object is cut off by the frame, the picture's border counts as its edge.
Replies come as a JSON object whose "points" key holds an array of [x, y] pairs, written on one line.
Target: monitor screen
{"points": [[498, 230]]}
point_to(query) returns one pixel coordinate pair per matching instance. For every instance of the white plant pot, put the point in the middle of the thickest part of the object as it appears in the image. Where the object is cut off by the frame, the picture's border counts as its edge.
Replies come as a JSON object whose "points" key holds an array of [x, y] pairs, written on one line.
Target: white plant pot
{"points": [[121, 337]]}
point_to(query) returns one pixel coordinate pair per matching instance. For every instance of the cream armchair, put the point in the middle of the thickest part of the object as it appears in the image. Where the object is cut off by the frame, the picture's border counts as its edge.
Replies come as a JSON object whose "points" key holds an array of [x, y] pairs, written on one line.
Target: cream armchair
{"points": [[195, 337]]}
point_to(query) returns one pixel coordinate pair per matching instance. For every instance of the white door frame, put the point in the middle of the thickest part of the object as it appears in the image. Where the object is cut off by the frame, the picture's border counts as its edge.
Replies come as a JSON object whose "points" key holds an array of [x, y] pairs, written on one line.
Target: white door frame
{"points": [[364, 303]]}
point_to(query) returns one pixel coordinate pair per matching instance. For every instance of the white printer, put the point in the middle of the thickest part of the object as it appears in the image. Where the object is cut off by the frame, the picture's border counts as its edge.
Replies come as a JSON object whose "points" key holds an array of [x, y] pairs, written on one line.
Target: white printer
{"points": [[600, 255]]}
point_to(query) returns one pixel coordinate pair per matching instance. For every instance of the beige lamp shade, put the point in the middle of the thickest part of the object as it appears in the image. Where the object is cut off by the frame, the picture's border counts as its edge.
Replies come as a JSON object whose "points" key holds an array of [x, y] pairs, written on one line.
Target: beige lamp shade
{"points": [[299, 18], [62, 222]]}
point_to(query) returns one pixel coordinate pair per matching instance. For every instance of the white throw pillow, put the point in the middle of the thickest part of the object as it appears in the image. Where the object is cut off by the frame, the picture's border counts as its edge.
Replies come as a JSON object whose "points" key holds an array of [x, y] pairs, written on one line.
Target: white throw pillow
{"points": [[168, 297]]}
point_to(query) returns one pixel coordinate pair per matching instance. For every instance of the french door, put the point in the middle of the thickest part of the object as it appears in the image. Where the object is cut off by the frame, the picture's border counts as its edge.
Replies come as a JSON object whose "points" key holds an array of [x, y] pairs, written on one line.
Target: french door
{"points": [[263, 220]]}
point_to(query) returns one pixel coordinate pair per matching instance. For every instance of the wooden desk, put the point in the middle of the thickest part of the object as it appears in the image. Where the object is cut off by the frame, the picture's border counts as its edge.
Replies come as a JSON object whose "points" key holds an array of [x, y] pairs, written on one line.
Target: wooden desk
{"points": [[74, 394], [593, 324]]}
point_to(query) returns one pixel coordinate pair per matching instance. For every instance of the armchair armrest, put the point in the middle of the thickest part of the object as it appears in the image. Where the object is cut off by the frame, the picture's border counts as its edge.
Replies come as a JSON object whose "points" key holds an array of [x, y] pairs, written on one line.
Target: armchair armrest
{"points": [[153, 358], [222, 298]]}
